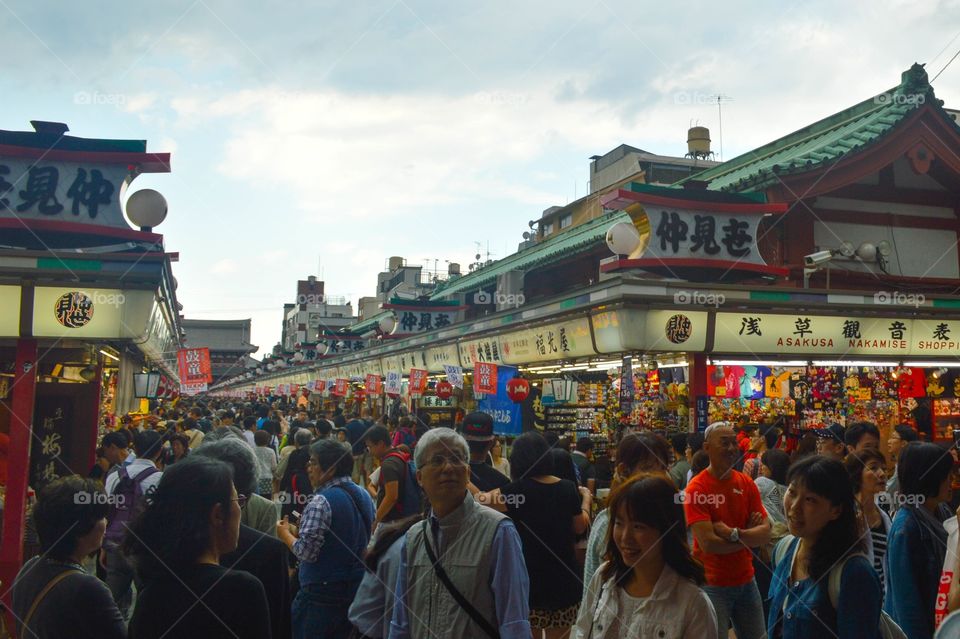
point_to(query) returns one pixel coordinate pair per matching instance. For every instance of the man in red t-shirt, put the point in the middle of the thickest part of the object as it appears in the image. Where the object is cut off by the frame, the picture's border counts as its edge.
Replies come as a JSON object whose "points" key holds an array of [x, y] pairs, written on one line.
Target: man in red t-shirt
{"points": [[724, 512]]}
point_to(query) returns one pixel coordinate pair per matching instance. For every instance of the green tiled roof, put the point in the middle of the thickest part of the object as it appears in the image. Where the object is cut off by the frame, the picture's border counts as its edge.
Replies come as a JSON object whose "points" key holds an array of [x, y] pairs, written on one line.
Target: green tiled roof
{"points": [[826, 141], [566, 244]]}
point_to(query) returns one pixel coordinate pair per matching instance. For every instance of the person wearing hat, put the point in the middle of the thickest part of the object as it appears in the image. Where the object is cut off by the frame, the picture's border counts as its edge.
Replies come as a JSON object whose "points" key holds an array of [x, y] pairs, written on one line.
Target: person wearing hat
{"points": [[477, 429], [830, 442]]}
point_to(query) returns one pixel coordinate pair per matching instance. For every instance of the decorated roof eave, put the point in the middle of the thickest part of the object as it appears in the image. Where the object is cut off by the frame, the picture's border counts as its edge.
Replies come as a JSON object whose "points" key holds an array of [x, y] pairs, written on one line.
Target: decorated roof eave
{"points": [[829, 140], [552, 250]]}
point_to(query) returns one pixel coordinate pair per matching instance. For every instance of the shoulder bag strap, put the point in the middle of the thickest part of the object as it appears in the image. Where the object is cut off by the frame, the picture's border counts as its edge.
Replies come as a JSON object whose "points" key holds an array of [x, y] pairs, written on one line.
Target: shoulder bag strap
{"points": [[458, 597], [355, 503], [43, 593]]}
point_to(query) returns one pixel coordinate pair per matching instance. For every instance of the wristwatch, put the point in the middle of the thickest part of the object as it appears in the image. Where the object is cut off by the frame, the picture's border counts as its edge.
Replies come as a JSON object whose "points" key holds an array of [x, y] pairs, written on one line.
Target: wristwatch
{"points": [[735, 536]]}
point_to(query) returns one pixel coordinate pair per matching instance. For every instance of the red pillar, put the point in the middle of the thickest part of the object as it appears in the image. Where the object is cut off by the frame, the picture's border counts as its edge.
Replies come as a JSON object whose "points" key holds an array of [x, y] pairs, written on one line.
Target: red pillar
{"points": [[21, 434]]}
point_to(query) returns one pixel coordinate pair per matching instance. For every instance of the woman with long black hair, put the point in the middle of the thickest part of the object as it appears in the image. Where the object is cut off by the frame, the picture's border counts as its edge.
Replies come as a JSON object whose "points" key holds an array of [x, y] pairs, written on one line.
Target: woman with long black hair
{"points": [[823, 585], [192, 519], [649, 584]]}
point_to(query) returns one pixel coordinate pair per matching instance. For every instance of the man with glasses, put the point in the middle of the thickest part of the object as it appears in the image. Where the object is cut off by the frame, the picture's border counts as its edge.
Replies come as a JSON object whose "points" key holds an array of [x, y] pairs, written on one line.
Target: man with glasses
{"points": [[461, 572], [329, 543]]}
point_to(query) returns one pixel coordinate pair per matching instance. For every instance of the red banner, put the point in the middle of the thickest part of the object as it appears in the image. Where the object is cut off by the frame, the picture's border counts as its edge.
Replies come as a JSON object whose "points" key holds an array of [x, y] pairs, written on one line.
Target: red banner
{"points": [[418, 382], [194, 365], [340, 387], [373, 384], [485, 379]]}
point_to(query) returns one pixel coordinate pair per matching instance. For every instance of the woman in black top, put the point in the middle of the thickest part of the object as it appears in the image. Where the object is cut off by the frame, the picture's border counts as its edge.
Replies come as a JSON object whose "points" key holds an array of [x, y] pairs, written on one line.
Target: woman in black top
{"points": [[192, 519], [53, 597], [539, 502]]}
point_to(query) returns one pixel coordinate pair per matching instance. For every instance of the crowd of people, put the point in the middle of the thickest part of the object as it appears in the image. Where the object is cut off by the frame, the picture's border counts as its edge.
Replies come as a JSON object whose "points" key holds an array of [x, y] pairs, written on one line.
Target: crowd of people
{"points": [[260, 521]]}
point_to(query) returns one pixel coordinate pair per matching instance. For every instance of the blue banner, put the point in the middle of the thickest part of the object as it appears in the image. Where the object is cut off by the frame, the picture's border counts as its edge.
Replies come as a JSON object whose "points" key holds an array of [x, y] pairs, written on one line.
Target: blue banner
{"points": [[506, 414]]}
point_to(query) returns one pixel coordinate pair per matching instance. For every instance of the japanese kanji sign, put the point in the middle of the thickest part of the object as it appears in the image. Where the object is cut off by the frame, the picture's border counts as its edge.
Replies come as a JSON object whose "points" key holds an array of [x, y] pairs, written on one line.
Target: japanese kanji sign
{"points": [[65, 191], [803, 333], [485, 378], [394, 382], [340, 387], [418, 382], [373, 385], [194, 365], [687, 238], [454, 375]]}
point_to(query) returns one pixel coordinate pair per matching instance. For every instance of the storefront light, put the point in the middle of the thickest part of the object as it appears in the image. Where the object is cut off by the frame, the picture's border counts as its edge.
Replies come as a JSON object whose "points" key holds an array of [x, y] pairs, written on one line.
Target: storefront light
{"points": [[843, 362], [145, 385], [756, 362], [110, 355], [675, 365], [954, 364]]}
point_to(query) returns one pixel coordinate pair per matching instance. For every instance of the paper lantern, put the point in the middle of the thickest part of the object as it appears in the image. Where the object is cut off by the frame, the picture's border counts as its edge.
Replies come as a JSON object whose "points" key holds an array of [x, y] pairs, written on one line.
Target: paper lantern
{"points": [[623, 238], [444, 390], [518, 389]]}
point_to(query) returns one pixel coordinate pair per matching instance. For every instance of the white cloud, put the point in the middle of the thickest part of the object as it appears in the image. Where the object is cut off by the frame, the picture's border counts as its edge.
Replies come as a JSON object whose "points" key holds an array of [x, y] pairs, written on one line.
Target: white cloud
{"points": [[225, 266]]}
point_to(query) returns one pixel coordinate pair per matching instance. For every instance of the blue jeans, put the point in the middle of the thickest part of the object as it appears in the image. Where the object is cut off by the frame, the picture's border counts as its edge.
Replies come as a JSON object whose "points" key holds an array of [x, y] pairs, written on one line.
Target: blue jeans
{"points": [[741, 605], [319, 610]]}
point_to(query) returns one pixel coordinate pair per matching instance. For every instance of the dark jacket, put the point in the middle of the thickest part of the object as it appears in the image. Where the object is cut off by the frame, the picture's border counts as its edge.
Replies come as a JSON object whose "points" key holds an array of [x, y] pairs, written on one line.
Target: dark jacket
{"points": [[267, 559], [916, 547]]}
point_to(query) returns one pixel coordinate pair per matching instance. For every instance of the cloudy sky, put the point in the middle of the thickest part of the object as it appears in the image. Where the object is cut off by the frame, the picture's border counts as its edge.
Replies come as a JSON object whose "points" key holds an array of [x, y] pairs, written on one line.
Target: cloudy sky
{"points": [[309, 135]]}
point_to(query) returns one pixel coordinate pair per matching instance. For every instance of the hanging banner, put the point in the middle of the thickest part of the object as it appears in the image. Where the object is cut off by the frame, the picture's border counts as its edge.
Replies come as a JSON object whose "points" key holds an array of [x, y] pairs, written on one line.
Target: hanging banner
{"points": [[394, 382], [454, 375], [340, 387], [626, 385], [311, 385], [506, 414], [373, 384], [485, 378], [194, 365], [418, 382]]}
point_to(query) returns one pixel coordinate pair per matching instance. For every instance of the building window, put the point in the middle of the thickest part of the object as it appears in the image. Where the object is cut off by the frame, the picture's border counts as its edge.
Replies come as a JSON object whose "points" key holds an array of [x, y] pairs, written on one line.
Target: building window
{"points": [[548, 229], [566, 220]]}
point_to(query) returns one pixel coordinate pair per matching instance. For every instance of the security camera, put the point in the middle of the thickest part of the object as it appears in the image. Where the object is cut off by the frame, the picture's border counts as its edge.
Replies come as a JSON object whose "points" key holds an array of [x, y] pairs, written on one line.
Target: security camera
{"points": [[817, 258]]}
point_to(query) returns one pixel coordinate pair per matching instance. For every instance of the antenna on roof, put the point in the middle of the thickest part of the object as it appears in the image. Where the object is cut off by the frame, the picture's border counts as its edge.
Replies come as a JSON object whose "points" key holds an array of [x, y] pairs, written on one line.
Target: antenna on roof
{"points": [[720, 98]]}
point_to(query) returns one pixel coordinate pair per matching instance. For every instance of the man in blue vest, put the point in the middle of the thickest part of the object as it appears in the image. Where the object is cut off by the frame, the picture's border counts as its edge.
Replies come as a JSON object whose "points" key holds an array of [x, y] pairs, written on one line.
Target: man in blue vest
{"points": [[329, 543]]}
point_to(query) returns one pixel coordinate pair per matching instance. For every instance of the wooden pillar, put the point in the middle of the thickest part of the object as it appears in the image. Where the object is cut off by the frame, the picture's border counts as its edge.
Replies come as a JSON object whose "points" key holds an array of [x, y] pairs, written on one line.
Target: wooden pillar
{"points": [[21, 433]]}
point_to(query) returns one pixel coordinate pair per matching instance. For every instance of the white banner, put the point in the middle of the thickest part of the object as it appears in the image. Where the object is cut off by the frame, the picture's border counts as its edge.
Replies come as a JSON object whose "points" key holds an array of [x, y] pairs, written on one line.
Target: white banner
{"points": [[394, 382], [454, 375]]}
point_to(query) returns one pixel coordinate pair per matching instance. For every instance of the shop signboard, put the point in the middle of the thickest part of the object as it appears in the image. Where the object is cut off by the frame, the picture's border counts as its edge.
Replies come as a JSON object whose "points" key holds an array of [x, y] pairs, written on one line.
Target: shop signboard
{"points": [[689, 238], [193, 365], [506, 414], [679, 330], [76, 192], [418, 382], [847, 336], [417, 319], [197, 388], [480, 350], [413, 359], [485, 378], [10, 317], [561, 340], [439, 357], [703, 412], [626, 385]]}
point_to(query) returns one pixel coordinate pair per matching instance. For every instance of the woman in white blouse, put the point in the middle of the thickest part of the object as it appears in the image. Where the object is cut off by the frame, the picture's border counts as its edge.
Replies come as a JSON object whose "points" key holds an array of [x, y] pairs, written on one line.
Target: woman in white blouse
{"points": [[649, 584]]}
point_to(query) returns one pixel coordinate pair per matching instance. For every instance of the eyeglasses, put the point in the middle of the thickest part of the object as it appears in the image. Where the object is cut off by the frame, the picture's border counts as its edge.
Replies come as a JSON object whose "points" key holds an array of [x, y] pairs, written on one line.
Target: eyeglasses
{"points": [[241, 500], [439, 461], [312, 462]]}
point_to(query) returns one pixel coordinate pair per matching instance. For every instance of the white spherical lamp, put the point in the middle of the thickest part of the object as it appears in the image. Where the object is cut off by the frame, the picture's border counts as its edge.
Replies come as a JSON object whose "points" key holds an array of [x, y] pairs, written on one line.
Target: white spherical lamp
{"points": [[388, 324], [623, 238], [867, 252], [147, 208]]}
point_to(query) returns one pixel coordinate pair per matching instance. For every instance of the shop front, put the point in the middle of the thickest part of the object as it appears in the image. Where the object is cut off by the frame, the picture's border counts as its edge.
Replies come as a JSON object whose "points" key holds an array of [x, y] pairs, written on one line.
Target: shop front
{"points": [[87, 302]]}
